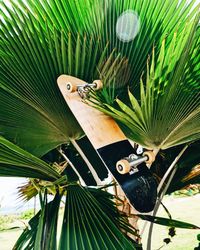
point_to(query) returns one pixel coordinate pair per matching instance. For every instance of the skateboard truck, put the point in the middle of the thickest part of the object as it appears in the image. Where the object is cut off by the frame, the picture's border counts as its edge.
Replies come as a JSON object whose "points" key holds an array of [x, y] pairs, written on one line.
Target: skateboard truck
{"points": [[84, 88], [130, 163]]}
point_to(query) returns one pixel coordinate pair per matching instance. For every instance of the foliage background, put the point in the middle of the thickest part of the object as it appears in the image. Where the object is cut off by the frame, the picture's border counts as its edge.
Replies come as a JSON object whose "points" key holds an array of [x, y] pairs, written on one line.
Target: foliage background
{"points": [[39, 40]]}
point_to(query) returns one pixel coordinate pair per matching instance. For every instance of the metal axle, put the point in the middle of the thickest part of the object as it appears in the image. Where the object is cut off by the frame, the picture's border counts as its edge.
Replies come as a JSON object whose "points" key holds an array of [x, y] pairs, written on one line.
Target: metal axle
{"points": [[87, 85], [139, 160]]}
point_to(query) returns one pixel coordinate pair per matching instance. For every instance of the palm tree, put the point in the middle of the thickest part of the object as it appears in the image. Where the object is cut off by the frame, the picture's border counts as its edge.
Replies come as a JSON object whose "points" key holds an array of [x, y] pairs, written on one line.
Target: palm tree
{"points": [[151, 78]]}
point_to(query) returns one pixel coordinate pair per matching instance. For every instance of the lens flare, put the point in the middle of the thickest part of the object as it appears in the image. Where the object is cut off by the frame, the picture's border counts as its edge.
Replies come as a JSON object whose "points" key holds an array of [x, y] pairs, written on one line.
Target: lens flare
{"points": [[127, 26]]}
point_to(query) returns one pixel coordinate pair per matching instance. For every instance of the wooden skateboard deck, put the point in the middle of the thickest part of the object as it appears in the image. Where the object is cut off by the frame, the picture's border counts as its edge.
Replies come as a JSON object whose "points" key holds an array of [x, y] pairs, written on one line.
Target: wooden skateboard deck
{"points": [[111, 145]]}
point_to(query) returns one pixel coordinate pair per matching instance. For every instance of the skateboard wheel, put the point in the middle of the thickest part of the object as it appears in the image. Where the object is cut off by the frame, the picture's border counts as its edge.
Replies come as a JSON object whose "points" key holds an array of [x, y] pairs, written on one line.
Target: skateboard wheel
{"points": [[150, 155], [71, 87], [123, 166], [98, 84]]}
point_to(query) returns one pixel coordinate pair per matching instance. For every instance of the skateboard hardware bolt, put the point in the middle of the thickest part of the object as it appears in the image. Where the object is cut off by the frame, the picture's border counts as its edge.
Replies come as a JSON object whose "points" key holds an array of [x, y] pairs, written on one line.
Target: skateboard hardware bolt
{"points": [[90, 85], [68, 86], [120, 167]]}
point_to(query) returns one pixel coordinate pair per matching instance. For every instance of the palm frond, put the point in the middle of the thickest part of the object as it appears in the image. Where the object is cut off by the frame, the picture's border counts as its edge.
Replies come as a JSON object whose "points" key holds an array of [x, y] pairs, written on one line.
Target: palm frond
{"points": [[27, 238], [168, 111], [99, 18], [41, 40], [42, 230], [90, 220], [15, 161], [27, 191], [46, 237], [156, 20], [86, 225], [35, 56], [168, 222], [28, 82]]}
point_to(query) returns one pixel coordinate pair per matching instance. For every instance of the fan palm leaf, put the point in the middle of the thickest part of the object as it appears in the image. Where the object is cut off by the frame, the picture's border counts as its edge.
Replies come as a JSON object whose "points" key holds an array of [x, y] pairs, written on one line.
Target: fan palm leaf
{"points": [[41, 40], [95, 223], [28, 80], [168, 111], [15, 161], [153, 20]]}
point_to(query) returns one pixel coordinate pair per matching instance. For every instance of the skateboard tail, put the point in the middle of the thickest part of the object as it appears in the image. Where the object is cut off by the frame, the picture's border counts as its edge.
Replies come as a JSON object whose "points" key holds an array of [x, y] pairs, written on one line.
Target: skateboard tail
{"points": [[140, 188]]}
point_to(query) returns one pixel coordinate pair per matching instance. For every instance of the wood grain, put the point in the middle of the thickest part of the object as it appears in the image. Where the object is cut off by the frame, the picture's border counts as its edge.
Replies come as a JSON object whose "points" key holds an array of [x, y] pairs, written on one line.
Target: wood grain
{"points": [[101, 129]]}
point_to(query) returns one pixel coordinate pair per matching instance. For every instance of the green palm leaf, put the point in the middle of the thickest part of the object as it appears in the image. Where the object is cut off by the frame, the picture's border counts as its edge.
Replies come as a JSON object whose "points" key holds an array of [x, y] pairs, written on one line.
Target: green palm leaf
{"points": [[28, 77], [168, 222], [46, 237], [156, 20], [169, 108], [99, 18], [86, 225], [15, 161], [90, 220], [27, 238], [39, 41], [37, 56], [42, 231]]}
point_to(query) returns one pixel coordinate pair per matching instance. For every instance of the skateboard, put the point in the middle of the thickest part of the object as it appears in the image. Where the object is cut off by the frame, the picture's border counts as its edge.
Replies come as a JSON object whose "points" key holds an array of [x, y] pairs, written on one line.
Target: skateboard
{"points": [[126, 164]]}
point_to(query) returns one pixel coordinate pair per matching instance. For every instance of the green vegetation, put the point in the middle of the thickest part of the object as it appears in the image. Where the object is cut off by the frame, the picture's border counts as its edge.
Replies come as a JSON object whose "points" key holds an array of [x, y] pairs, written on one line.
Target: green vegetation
{"points": [[189, 191], [184, 239], [27, 215], [5, 220], [182, 209], [151, 87]]}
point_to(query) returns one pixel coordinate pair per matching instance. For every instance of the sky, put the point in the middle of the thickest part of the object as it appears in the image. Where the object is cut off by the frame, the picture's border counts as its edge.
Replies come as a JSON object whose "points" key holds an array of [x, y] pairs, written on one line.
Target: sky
{"points": [[8, 195]]}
